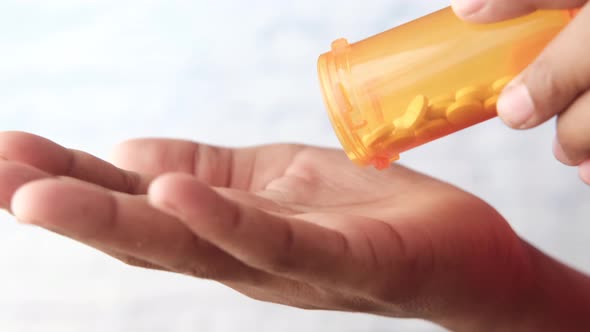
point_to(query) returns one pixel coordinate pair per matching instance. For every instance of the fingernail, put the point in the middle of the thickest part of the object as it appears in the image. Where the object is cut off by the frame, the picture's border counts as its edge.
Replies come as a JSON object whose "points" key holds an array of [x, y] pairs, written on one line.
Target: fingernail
{"points": [[467, 7], [585, 172], [515, 105]]}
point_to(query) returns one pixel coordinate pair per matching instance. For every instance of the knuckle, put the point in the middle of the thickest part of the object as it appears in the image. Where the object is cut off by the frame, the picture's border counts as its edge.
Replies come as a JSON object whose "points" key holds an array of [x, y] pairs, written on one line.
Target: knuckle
{"points": [[283, 260], [550, 95], [409, 269], [236, 216], [571, 146], [132, 181], [105, 223]]}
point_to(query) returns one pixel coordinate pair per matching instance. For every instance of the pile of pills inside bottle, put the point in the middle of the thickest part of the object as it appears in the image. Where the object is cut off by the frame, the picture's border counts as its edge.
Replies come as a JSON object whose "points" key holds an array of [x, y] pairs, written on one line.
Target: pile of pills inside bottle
{"points": [[426, 79], [425, 119]]}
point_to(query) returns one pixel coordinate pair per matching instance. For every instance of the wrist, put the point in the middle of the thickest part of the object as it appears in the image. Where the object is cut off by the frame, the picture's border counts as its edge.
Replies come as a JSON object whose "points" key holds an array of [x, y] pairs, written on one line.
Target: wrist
{"points": [[547, 296], [557, 297]]}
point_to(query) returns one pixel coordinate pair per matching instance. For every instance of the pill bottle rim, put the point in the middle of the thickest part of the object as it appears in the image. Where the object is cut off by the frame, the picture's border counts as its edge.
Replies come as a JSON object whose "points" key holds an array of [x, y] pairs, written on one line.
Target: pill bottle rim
{"points": [[331, 78], [573, 12]]}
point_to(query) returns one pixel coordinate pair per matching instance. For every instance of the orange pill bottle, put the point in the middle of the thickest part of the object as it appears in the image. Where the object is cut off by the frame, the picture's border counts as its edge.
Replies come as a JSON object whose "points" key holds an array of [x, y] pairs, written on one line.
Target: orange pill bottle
{"points": [[425, 79]]}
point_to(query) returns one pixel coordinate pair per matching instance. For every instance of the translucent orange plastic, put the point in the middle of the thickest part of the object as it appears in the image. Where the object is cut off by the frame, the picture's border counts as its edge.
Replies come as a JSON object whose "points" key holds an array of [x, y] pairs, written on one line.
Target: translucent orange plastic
{"points": [[425, 79]]}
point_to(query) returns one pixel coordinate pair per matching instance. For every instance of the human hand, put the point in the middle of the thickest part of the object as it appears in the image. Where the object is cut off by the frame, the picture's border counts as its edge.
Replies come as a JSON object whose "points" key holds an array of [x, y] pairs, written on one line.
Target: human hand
{"points": [[557, 83], [296, 225]]}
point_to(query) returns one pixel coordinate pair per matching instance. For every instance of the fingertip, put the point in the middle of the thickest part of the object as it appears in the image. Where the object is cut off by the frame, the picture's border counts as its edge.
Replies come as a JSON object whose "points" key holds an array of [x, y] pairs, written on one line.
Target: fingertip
{"points": [[122, 154], [17, 135], [34, 150], [584, 171], [161, 186], [118, 152], [516, 107], [174, 192], [63, 205], [465, 9], [560, 155], [17, 205], [26, 199], [14, 175], [193, 203]]}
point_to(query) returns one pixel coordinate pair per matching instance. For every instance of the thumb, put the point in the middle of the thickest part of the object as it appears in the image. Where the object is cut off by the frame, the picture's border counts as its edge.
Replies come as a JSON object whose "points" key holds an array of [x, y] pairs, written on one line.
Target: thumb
{"points": [[486, 11], [553, 81]]}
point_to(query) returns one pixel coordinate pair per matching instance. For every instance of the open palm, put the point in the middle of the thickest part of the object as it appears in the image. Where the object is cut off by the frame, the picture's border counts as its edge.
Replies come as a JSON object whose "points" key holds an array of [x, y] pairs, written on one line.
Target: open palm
{"points": [[289, 224]]}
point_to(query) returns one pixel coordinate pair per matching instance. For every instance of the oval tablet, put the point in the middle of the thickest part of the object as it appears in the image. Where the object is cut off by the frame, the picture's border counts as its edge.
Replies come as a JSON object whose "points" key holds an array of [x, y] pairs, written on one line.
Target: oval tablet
{"points": [[449, 98], [378, 134], [472, 93], [438, 110], [432, 128], [400, 139], [490, 104], [500, 84], [462, 112], [414, 113]]}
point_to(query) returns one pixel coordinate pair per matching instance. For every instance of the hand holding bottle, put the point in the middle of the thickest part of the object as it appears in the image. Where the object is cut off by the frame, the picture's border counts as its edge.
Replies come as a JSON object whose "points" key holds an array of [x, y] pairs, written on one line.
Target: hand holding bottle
{"points": [[557, 83]]}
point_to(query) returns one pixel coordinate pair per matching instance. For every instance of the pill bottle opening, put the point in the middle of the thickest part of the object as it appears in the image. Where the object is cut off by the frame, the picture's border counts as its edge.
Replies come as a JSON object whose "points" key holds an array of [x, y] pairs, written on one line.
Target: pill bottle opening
{"points": [[332, 83], [573, 12]]}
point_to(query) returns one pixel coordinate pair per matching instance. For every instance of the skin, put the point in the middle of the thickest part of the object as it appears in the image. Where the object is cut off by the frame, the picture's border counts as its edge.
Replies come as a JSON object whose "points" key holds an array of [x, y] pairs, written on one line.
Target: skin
{"points": [[556, 84], [299, 226], [335, 237]]}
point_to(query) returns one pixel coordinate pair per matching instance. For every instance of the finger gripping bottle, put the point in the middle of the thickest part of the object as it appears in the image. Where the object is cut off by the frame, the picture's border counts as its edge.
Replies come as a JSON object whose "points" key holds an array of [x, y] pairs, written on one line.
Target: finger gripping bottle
{"points": [[425, 79]]}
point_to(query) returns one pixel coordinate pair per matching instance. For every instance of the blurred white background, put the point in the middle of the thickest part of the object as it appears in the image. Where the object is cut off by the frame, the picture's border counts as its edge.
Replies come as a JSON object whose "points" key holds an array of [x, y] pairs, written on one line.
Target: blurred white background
{"points": [[89, 74]]}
